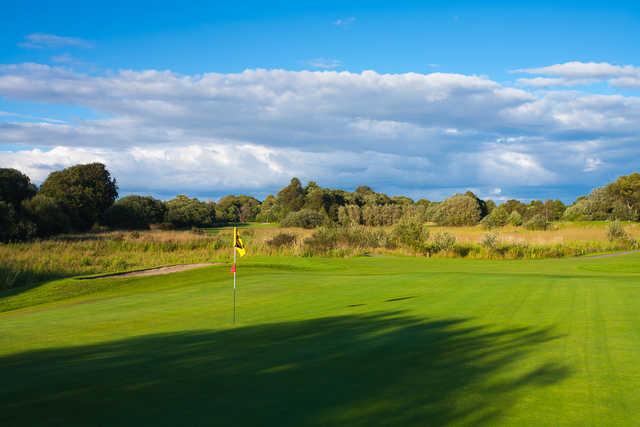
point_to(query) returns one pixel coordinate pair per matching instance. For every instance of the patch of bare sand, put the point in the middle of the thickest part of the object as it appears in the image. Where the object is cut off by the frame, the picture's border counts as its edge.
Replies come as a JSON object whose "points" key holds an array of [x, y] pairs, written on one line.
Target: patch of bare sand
{"points": [[158, 271]]}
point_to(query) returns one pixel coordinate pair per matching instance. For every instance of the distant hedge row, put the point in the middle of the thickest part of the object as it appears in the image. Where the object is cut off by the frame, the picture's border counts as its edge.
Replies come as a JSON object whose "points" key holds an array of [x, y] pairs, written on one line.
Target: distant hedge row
{"points": [[83, 196]]}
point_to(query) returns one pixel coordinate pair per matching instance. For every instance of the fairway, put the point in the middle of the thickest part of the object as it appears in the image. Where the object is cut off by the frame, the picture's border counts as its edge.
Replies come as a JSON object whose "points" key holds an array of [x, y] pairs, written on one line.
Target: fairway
{"points": [[359, 341]]}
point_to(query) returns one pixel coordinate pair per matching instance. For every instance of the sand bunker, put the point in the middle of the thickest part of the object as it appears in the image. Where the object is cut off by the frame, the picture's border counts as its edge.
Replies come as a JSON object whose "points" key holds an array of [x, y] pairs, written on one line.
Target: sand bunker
{"points": [[158, 271]]}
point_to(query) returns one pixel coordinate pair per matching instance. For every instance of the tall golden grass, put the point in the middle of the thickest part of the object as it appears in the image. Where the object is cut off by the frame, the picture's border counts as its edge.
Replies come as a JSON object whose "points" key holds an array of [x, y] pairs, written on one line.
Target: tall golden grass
{"points": [[34, 262]]}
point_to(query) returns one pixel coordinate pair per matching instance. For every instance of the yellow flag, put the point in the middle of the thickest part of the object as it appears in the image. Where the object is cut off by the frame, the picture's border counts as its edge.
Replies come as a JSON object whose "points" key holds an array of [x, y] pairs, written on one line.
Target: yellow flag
{"points": [[238, 243]]}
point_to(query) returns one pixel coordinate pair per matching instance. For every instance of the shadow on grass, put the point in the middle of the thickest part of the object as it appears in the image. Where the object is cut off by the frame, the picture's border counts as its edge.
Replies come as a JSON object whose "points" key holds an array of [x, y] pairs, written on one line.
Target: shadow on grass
{"points": [[365, 370]]}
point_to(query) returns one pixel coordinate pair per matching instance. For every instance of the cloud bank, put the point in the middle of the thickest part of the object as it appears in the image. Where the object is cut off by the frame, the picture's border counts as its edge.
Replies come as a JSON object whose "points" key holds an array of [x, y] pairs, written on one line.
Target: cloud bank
{"points": [[164, 132]]}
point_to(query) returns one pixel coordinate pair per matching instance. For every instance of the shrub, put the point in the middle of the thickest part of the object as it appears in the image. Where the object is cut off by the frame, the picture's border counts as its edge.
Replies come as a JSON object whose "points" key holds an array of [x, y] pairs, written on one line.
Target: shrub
{"points": [[461, 209], [490, 241], [282, 239], [515, 218], [616, 232], [321, 241], [537, 222], [497, 218], [186, 212], [135, 212], [47, 214], [442, 241], [304, 218], [410, 232]]}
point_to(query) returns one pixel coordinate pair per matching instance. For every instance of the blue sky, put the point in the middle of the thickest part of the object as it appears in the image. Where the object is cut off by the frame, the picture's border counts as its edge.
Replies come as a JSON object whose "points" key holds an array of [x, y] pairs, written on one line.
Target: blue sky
{"points": [[534, 99]]}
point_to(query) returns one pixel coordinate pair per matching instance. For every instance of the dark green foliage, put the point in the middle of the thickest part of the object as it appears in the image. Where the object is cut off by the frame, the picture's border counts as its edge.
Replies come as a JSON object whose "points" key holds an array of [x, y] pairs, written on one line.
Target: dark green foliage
{"points": [[186, 212], [85, 192], [304, 218], [237, 209], [15, 187], [291, 197], [135, 212], [7, 221], [48, 215]]}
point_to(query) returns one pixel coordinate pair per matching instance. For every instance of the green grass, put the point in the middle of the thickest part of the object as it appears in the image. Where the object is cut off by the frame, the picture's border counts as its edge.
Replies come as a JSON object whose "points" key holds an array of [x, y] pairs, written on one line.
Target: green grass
{"points": [[360, 341]]}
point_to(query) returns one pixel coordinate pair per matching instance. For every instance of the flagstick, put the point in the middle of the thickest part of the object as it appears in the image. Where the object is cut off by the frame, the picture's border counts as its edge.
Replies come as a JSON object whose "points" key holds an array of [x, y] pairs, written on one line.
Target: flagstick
{"points": [[234, 279]]}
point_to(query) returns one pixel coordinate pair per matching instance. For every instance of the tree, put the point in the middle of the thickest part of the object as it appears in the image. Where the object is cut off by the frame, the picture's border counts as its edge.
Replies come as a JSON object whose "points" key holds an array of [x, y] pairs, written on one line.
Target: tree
{"points": [[237, 208], [537, 222], [460, 209], [85, 192], [304, 218], [291, 197], [186, 212], [625, 191], [7, 221], [410, 231], [135, 212], [515, 218], [269, 210], [491, 205], [47, 214], [15, 187], [497, 218]]}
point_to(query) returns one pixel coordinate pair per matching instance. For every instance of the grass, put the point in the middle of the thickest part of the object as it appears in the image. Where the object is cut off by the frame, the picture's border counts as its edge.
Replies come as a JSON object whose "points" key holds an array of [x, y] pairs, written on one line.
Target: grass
{"points": [[29, 264], [330, 341]]}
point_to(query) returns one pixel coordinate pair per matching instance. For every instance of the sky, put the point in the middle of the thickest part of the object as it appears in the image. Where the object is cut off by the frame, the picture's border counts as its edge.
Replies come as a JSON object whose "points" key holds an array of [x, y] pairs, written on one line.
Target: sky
{"points": [[528, 100]]}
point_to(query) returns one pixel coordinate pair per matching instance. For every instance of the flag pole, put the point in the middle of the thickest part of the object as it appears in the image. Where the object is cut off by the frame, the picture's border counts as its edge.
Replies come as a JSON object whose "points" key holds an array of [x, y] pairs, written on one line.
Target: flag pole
{"points": [[234, 275]]}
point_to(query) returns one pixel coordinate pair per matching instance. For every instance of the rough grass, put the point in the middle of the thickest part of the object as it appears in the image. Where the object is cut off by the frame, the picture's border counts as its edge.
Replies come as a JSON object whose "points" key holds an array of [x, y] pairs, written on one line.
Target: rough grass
{"points": [[331, 341], [29, 264]]}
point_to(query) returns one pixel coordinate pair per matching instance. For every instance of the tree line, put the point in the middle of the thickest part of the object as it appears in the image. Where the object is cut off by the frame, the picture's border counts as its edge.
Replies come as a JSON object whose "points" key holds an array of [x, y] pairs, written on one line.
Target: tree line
{"points": [[81, 197]]}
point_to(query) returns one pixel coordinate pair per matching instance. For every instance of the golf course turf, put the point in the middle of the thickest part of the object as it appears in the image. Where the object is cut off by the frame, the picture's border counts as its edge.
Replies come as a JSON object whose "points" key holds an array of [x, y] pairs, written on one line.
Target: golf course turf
{"points": [[330, 341]]}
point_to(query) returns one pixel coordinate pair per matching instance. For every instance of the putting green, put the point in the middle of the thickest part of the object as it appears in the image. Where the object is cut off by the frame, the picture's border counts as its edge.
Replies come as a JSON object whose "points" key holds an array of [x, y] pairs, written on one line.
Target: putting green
{"points": [[361, 341]]}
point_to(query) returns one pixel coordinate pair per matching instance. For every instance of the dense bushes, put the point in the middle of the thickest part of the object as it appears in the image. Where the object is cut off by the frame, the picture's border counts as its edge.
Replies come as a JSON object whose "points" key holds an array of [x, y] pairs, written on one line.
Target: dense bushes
{"points": [[281, 240], [617, 200], [537, 222], [305, 218], [461, 209], [410, 232], [498, 217], [84, 192], [135, 212], [48, 215], [187, 212]]}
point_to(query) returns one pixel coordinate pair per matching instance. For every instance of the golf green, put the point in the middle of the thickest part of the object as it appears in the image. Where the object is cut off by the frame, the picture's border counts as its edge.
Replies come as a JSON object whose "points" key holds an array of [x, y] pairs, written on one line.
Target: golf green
{"points": [[359, 342]]}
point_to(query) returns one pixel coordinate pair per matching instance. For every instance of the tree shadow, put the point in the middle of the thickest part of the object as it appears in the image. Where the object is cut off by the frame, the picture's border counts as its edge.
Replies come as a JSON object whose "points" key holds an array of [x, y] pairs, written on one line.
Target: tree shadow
{"points": [[358, 370]]}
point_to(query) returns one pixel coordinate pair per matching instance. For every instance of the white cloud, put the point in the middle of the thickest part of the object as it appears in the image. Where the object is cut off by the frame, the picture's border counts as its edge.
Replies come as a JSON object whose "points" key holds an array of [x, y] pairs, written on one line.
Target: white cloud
{"points": [[577, 73], [162, 130], [577, 69], [592, 164], [52, 41]]}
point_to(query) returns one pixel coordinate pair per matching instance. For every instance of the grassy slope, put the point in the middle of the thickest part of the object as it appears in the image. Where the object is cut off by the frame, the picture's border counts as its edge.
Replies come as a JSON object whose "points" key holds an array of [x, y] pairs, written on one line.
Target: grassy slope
{"points": [[363, 341]]}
